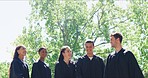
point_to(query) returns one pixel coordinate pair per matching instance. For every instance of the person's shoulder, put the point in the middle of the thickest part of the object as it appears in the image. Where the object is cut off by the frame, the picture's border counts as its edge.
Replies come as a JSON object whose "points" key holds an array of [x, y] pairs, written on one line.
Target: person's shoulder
{"points": [[36, 63], [82, 57], [128, 53], [16, 60], [57, 63], [72, 63], [13, 61], [98, 57], [112, 53], [130, 56]]}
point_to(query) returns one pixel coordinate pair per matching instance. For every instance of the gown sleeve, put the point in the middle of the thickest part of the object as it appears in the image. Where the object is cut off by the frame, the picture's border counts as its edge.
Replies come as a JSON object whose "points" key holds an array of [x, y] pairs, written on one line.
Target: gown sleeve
{"points": [[102, 67], [16, 69], [57, 71], [106, 68], [35, 73], [78, 68], [134, 69]]}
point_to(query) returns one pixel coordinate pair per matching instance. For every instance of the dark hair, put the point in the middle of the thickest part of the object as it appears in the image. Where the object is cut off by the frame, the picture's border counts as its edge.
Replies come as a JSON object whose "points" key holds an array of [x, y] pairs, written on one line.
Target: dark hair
{"points": [[16, 53], [61, 57], [41, 49], [89, 41], [14, 57], [117, 35]]}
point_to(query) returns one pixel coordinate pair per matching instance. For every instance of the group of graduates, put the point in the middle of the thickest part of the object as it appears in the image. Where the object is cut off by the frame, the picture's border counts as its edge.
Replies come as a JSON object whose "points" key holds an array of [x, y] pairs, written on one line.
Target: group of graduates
{"points": [[120, 63]]}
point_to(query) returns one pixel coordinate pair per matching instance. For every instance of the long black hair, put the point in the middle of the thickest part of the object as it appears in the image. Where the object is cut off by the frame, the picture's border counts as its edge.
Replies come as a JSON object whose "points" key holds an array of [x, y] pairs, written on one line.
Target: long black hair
{"points": [[16, 53], [14, 57], [61, 57]]}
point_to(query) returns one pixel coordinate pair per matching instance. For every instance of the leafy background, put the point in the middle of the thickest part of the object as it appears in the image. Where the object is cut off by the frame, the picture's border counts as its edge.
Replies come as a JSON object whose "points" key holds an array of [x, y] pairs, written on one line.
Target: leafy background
{"points": [[54, 23]]}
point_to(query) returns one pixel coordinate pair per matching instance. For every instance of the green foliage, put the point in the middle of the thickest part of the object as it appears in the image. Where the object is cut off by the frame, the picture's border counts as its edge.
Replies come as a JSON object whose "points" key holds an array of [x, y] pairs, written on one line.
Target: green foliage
{"points": [[4, 69], [54, 23]]}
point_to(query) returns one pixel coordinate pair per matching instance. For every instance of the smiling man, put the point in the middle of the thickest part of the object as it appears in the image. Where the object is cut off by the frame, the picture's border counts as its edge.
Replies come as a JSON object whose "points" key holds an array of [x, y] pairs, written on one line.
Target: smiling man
{"points": [[121, 63], [90, 65]]}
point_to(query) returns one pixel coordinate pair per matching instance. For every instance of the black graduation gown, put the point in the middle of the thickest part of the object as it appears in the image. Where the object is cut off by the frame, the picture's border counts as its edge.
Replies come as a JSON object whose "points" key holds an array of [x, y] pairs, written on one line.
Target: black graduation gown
{"points": [[62, 70], [122, 65], [87, 68], [40, 70], [18, 69]]}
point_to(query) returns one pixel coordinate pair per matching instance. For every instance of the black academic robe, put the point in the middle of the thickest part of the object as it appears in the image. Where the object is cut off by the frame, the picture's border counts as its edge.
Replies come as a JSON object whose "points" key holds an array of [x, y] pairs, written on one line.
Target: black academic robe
{"points": [[87, 68], [18, 69], [62, 70], [122, 65], [40, 70]]}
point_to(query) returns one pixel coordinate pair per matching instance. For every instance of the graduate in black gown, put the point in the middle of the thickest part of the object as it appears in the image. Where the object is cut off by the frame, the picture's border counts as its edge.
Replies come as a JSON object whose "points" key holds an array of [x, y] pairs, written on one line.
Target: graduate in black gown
{"points": [[40, 69], [65, 68], [121, 63], [18, 68], [90, 65]]}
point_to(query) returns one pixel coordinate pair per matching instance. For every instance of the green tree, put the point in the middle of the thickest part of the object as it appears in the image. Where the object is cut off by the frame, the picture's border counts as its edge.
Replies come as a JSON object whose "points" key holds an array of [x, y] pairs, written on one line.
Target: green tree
{"points": [[4, 67], [57, 23]]}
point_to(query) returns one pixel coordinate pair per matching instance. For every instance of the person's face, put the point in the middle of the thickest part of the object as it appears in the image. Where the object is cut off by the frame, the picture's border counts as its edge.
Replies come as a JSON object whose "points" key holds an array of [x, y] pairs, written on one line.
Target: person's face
{"points": [[89, 47], [22, 51], [113, 41], [43, 53], [67, 53]]}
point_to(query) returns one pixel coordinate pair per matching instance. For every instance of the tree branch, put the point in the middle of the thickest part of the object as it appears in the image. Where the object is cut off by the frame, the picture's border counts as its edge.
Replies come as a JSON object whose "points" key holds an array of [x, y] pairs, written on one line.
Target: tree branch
{"points": [[83, 28]]}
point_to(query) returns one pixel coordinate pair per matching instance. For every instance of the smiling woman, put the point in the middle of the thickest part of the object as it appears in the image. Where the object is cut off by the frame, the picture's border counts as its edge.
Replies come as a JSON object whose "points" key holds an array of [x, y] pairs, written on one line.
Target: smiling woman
{"points": [[12, 17], [18, 68]]}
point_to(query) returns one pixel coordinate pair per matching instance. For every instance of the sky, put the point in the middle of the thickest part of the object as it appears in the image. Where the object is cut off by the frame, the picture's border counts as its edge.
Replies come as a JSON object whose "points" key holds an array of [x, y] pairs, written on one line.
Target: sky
{"points": [[13, 14]]}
